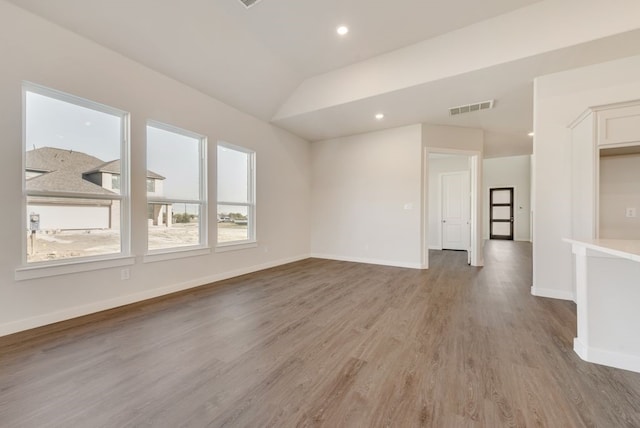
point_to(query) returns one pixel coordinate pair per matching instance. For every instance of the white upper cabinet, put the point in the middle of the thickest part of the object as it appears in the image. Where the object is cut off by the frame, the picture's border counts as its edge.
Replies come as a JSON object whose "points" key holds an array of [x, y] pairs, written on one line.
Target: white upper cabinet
{"points": [[619, 125], [605, 172]]}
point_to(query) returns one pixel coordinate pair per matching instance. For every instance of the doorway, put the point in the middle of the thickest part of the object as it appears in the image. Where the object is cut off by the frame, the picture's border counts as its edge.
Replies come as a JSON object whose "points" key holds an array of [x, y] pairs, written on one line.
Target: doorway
{"points": [[501, 213], [444, 160], [456, 210]]}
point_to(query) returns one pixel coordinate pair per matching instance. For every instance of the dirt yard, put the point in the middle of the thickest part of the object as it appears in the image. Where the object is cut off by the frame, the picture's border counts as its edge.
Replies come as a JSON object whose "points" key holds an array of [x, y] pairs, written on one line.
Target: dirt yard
{"points": [[85, 243]]}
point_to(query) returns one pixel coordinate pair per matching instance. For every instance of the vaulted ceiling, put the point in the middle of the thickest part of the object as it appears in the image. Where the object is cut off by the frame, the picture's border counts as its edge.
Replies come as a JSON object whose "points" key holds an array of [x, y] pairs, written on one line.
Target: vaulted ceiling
{"points": [[282, 61]]}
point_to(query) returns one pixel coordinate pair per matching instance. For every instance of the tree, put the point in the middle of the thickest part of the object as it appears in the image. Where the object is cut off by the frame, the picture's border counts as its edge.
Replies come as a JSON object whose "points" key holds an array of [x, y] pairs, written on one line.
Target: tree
{"points": [[181, 218]]}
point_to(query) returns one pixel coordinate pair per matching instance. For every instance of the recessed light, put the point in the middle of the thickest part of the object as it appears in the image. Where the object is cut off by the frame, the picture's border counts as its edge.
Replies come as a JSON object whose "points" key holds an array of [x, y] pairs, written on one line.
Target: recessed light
{"points": [[530, 134], [342, 30], [87, 123], [379, 116]]}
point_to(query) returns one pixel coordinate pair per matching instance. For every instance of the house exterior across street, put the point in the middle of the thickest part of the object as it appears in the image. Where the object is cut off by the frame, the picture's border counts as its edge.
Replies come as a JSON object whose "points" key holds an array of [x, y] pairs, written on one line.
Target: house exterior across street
{"points": [[66, 171]]}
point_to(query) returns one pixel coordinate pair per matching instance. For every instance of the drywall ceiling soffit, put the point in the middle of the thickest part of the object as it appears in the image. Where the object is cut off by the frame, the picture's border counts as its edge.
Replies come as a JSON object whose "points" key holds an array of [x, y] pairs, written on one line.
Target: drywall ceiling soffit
{"points": [[253, 59], [511, 84], [527, 32]]}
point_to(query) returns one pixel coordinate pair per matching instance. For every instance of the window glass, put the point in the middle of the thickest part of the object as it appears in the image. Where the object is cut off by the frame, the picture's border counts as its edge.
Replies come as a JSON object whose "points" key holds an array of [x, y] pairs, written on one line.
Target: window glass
{"points": [[175, 188], [236, 195], [233, 174], [73, 173], [233, 223]]}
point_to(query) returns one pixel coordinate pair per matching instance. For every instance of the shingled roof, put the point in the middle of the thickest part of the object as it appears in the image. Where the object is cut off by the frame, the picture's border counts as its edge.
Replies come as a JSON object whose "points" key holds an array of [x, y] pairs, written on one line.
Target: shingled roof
{"points": [[65, 170]]}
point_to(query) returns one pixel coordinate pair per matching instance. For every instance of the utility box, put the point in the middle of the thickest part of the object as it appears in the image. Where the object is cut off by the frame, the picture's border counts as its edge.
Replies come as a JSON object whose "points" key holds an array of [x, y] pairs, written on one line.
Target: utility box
{"points": [[34, 222]]}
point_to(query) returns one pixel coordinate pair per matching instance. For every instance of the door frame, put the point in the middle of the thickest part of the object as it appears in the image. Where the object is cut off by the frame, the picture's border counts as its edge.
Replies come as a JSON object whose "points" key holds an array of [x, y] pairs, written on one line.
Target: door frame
{"points": [[476, 257], [512, 236]]}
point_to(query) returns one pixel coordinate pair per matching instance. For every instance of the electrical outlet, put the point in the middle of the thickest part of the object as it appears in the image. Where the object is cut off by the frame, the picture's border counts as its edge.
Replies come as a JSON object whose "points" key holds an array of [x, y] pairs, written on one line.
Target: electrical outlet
{"points": [[631, 212], [125, 274]]}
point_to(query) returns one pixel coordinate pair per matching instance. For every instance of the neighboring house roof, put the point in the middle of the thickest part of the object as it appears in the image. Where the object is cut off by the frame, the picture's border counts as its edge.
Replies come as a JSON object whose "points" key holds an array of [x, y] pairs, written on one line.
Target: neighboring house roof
{"points": [[53, 159], [66, 171], [65, 181], [113, 167]]}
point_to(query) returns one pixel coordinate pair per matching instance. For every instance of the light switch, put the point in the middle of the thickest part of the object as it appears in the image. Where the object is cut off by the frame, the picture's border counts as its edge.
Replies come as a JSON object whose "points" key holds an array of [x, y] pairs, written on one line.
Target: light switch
{"points": [[631, 212]]}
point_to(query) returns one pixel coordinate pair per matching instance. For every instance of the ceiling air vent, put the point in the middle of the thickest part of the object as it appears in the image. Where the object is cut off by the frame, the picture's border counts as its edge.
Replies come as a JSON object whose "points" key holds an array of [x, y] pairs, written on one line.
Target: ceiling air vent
{"points": [[249, 3], [484, 105]]}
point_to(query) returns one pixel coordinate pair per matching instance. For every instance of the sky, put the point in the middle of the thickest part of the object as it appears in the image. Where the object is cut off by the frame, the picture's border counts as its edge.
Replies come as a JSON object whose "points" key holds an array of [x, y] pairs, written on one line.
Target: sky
{"points": [[55, 123], [177, 158]]}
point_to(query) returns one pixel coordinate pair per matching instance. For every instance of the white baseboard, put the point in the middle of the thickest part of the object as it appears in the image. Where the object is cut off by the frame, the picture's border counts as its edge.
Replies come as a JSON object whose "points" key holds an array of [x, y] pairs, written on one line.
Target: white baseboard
{"points": [[607, 358], [368, 261], [552, 294], [67, 314], [435, 247], [580, 349]]}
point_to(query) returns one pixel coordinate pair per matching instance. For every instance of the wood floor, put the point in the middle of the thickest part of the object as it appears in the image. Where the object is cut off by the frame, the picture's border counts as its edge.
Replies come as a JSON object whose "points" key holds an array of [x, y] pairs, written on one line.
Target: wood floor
{"points": [[324, 343]]}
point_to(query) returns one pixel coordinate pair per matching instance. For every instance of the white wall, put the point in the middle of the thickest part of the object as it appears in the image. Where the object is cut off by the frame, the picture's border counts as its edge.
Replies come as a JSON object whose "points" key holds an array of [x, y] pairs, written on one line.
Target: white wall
{"points": [[512, 171], [438, 166], [366, 197], [37, 51], [619, 190], [558, 100]]}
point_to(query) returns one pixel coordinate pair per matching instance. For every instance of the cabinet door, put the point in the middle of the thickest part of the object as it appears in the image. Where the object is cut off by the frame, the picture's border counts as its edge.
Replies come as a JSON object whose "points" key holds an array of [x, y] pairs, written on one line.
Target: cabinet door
{"points": [[619, 125]]}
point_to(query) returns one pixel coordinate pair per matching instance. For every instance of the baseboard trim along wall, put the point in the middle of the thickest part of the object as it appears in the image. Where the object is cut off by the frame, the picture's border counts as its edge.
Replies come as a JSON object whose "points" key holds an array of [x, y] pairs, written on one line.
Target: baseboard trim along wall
{"points": [[553, 294], [67, 314], [607, 358], [369, 261]]}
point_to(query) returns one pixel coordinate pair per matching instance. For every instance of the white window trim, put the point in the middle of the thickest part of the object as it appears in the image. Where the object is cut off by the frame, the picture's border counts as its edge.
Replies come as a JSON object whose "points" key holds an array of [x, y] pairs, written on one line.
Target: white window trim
{"points": [[252, 239], [176, 253], [191, 250], [78, 264], [235, 245], [75, 265]]}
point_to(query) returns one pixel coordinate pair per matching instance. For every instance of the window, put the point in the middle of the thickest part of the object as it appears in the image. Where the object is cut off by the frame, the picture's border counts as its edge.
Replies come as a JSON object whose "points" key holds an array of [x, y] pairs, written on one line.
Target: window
{"points": [[115, 182], [236, 195], [176, 188], [72, 150]]}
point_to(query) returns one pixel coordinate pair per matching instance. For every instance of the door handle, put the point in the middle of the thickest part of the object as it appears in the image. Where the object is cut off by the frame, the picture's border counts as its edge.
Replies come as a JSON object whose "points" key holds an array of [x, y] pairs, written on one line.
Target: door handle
{"points": [[511, 219], [444, 221]]}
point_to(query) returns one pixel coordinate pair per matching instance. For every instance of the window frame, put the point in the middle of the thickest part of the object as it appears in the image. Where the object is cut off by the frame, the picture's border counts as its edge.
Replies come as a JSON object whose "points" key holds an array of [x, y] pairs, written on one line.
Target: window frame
{"points": [[184, 250], [251, 240], [38, 269]]}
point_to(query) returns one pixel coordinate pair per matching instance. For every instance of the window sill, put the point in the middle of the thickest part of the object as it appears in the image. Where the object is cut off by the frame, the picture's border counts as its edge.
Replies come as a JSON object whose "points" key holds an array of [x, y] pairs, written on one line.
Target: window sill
{"points": [[175, 253], [223, 248], [71, 266]]}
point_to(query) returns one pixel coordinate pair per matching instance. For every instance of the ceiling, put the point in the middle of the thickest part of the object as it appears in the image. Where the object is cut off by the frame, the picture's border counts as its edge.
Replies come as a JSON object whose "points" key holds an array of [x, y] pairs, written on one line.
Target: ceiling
{"points": [[282, 61]]}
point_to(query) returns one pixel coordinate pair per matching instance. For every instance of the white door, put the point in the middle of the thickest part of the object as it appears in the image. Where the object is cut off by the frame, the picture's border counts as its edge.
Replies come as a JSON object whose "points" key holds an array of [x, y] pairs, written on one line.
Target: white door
{"points": [[456, 211]]}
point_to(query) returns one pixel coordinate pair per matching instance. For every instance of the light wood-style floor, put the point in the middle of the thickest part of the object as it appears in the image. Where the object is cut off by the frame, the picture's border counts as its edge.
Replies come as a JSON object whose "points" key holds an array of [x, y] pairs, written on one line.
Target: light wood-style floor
{"points": [[324, 343]]}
